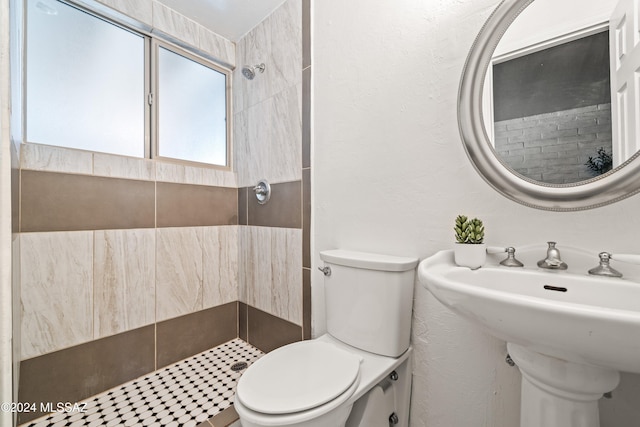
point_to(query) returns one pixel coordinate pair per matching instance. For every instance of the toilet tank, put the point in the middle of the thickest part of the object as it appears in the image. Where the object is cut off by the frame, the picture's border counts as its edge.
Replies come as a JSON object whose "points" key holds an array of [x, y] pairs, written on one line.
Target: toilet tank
{"points": [[369, 298]]}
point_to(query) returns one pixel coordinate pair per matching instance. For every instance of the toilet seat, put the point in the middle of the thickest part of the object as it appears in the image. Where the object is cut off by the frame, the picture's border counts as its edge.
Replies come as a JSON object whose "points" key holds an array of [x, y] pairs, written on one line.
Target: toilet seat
{"points": [[299, 377]]}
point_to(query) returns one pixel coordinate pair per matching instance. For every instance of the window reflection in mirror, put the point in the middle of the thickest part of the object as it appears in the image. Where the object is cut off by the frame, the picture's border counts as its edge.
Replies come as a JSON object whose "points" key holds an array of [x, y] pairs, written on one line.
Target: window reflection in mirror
{"points": [[547, 93], [552, 111]]}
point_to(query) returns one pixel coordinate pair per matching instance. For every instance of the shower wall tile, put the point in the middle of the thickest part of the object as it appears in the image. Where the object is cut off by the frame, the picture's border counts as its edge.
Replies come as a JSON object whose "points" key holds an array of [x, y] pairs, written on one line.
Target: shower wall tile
{"points": [[285, 25], [124, 280], [243, 201], [173, 24], [238, 81], [283, 210], [268, 136], [257, 262], [256, 49], [137, 9], [194, 333], [286, 280], [219, 178], [183, 205], [75, 373], [286, 136], [123, 167], [272, 272], [186, 174], [65, 202], [242, 320], [253, 144], [220, 48], [56, 290], [243, 259], [178, 271], [55, 159], [240, 146], [220, 265], [268, 332]]}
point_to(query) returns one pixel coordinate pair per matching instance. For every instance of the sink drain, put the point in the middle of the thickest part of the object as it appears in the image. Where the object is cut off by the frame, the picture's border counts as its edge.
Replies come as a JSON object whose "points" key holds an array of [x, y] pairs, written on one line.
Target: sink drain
{"points": [[239, 366]]}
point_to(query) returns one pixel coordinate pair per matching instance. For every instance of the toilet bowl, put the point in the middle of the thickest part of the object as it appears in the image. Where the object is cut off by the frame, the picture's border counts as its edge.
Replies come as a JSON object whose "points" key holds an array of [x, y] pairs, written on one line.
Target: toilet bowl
{"points": [[329, 393], [363, 359], [297, 385]]}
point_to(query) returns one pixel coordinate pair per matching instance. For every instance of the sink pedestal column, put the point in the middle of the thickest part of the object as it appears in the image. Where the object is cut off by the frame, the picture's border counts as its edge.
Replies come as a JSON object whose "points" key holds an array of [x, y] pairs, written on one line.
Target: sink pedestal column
{"points": [[557, 393]]}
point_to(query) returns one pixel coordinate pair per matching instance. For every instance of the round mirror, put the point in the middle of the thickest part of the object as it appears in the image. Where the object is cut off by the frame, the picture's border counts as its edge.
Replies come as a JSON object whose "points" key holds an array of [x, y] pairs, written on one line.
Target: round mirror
{"points": [[547, 112]]}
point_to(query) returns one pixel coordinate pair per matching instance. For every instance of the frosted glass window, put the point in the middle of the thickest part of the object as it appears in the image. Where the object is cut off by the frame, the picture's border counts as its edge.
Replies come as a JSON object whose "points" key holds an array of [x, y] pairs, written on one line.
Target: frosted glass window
{"points": [[192, 119], [85, 81]]}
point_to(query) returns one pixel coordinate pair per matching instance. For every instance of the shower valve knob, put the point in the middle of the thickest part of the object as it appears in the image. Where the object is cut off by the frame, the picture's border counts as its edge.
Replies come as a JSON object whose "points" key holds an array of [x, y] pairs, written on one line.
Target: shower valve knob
{"points": [[393, 419]]}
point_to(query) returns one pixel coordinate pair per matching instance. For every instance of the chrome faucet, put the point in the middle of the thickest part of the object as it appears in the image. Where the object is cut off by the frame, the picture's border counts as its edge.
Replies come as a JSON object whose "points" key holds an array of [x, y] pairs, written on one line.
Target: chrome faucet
{"points": [[604, 269], [553, 260], [510, 260]]}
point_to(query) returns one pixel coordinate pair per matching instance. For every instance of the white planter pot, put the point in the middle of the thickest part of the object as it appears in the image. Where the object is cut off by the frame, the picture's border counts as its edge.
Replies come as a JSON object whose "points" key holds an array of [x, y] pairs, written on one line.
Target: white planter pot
{"points": [[470, 255]]}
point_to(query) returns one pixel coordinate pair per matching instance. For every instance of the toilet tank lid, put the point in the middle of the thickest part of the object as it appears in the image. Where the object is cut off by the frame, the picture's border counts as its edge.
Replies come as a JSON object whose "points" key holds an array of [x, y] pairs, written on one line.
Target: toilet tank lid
{"points": [[368, 260]]}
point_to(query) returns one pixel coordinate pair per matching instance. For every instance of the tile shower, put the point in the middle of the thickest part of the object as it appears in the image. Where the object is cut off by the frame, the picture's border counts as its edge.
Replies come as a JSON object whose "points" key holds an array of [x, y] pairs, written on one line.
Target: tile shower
{"points": [[128, 265]]}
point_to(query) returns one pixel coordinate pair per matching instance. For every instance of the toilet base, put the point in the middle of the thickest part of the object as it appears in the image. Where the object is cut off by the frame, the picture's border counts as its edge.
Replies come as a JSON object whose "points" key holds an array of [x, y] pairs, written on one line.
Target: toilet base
{"points": [[389, 398]]}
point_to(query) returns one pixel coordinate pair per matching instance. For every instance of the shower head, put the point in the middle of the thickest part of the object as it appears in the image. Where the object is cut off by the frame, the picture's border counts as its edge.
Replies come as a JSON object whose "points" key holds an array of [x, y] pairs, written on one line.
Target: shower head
{"points": [[250, 72]]}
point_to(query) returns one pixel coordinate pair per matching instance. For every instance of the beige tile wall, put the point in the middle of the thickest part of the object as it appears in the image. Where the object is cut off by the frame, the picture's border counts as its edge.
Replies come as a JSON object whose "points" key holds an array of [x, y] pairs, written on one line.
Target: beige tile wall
{"points": [[179, 272], [268, 109], [124, 281], [78, 286], [272, 272], [57, 296], [220, 266], [46, 158]]}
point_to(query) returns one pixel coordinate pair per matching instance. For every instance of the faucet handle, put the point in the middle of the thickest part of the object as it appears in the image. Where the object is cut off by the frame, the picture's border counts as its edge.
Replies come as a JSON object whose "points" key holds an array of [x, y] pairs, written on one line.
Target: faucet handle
{"points": [[604, 269], [510, 260]]}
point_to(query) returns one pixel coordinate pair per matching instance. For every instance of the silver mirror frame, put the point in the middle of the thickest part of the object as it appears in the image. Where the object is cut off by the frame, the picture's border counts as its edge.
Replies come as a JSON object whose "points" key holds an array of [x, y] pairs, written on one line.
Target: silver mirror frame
{"points": [[622, 182]]}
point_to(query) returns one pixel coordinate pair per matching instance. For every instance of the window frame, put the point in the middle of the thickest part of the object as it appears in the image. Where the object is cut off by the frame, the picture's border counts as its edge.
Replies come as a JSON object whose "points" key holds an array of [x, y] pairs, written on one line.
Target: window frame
{"points": [[152, 42], [156, 44]]}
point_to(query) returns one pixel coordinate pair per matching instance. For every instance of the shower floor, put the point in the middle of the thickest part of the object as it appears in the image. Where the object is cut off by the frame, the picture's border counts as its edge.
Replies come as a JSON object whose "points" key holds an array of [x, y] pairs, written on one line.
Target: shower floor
{"points": [[184, 394]]}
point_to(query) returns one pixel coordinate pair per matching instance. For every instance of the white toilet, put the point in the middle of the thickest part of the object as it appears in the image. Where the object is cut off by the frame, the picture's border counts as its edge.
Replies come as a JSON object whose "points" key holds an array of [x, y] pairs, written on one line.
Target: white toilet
{"points": [[359, 373]]}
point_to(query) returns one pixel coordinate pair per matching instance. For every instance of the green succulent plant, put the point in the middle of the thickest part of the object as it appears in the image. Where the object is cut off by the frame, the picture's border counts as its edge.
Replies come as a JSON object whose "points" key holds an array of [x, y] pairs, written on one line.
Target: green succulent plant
{"points": [[468, 230], [461, 229]]}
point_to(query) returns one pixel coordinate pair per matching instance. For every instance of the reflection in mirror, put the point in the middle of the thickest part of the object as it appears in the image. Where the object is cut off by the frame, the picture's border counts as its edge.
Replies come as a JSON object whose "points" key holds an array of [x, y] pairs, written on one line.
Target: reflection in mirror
{"points": [[509, 29], [548, 93]]}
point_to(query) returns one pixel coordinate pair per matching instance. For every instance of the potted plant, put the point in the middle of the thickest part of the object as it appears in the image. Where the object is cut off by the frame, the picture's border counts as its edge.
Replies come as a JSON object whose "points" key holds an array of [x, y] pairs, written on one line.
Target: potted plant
{"points": [[469, 250]]}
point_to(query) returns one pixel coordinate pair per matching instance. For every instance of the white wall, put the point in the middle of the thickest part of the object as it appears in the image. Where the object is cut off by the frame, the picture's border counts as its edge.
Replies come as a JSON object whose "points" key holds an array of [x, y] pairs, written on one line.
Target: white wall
{"points": [[390, 175]]}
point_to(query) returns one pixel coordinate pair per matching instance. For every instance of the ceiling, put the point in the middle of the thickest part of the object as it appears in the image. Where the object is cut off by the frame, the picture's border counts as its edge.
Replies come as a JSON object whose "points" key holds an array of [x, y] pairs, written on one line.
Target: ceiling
{"points": [[231, 19]]}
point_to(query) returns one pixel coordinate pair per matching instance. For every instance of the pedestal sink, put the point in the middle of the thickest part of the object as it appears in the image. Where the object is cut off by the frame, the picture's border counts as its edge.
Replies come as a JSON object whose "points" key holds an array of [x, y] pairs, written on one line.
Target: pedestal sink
{"points": [[570, 333]]}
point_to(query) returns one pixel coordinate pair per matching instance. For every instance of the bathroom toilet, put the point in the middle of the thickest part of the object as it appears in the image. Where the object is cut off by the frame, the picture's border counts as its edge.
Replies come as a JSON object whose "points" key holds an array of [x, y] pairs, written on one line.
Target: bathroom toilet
{"points": [[356, 375]]}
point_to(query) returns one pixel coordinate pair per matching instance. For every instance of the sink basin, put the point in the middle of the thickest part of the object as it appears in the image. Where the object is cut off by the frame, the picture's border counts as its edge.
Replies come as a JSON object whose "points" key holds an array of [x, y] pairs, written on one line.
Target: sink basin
{"points": [[570, 332]]}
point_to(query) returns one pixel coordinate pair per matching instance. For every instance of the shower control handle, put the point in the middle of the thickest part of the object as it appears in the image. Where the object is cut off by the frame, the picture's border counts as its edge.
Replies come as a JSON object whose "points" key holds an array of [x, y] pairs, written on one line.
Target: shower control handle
{"points": [[263, 191]]}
